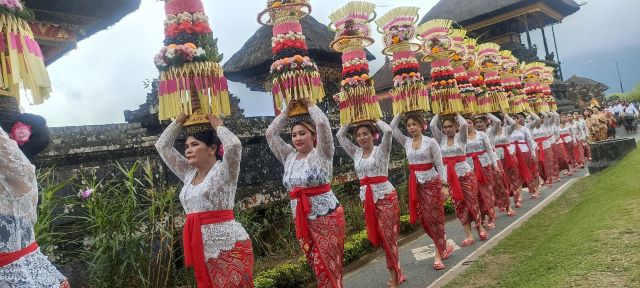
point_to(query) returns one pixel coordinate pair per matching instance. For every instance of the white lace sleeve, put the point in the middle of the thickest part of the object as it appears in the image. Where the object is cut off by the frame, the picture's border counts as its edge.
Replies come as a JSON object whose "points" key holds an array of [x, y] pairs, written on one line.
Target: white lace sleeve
{"points": [[437, 159], [548, 120], [345, 143], [495, 125], [435, 130], [325, 138], [15, 167], [511, 125], [279, 148], [400, 137], [489, 149], [232, 152], [387, 137], [463, 130], [174, 160], [532, 144], [533, 120]]}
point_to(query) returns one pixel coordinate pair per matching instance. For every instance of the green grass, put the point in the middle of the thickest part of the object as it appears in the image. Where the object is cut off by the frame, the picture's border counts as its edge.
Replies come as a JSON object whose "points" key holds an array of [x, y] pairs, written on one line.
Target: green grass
{"points": [[589, 237]]}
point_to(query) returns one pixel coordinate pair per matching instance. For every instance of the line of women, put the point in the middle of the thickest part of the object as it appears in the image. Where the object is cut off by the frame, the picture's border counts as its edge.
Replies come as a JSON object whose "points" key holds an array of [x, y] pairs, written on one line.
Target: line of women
{"points": [[482, 162]]}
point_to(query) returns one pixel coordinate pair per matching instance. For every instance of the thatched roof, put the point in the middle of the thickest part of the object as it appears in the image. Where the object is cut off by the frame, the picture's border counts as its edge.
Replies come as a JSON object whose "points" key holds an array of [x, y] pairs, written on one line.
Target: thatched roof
{"points": [[250, 65], [585, 81], [383, 78], [478, 10], [86, 16]]}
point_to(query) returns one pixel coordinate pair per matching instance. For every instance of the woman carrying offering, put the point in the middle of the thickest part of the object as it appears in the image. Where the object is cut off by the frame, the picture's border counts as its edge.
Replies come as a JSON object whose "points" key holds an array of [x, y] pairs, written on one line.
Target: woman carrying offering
{"points": [[308, 170], [215, 245], [481, 158], [381, 210], [426, 178], [508, 174], [461, 179], [522, 142]]}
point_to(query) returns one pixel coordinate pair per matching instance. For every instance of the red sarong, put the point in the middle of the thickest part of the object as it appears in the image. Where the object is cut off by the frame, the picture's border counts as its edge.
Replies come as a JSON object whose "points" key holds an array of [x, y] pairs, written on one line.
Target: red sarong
{"points": [[477, 166], [193, 244], [413, 190], [303, 207], [324, 249], [452, 176], [508, 160], [388, 215], [370, 208], [468, 209], [540, 151], [233, 268], [522, 164], [431, 212]]}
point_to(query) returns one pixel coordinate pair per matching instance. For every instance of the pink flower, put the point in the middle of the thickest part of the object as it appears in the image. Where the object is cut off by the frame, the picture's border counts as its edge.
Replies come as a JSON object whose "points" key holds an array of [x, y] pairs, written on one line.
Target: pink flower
{"points": [[20, 133], [14, 4], [221, 151], [86, 193]]}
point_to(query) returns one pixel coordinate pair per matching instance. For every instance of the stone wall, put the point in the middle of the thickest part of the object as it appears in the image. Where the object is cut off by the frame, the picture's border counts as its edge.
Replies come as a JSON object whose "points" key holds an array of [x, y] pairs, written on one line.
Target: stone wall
{"points": [[88, 150]]}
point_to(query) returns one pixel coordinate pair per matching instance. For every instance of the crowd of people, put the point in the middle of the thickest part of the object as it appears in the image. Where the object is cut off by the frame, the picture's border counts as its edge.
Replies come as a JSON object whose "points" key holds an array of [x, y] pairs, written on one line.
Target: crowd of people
{"points": [[622, 113]]}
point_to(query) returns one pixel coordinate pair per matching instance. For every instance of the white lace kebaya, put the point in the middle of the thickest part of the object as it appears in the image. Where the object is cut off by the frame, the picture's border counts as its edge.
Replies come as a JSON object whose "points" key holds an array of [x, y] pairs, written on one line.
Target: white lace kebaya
{"points": [[18, 213], [499, 134], [377, 164], [314, 170], [216, 192], [428, 152], [459, 146]]}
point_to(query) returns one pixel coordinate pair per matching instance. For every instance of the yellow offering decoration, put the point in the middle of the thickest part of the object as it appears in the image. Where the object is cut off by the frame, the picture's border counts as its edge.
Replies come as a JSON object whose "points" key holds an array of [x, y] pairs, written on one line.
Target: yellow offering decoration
{"points": [[495, 99], [21, 58], [409, 92], [191, 78], [464, 56], [294, 74], [438, 49], [357, 97]]}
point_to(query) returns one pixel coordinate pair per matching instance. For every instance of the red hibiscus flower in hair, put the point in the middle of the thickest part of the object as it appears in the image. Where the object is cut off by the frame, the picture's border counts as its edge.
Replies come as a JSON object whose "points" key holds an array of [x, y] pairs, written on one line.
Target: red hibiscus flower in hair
{"points": [[20, 133]]}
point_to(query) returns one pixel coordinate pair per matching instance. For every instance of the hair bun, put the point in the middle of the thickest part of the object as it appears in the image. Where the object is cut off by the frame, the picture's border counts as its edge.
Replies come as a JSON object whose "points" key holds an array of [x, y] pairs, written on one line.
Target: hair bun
{"points": [[40, 134]]}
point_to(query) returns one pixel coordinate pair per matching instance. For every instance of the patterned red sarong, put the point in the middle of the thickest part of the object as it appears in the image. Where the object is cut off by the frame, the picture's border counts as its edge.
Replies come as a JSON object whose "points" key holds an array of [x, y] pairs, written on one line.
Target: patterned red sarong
{"points": [[388, 215], [233, 268], [431, 212], [515, 181], [546, 167], [486, 199], [501, 186], [556, 160], [324, 249], [532, 165], [467, 209]]}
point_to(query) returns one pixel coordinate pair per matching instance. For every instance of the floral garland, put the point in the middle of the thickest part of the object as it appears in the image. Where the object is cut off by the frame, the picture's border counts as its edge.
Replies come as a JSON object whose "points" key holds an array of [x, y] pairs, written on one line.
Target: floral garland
{"points": [[295, 63], [399, 34], [188, 38], [15, 8]]}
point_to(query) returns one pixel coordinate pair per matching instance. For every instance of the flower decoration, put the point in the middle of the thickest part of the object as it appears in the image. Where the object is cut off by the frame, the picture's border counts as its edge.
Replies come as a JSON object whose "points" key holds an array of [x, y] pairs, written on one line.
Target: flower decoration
{"points": [[21, 133]]}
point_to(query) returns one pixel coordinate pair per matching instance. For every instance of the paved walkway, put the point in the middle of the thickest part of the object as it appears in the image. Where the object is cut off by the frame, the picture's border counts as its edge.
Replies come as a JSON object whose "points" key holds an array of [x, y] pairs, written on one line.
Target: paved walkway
{"points": [[416, 256]]}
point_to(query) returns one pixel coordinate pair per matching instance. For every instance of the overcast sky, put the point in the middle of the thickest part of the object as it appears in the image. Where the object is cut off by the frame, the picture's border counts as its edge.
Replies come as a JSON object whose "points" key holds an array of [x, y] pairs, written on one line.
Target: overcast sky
{"points": [[103, 76]]}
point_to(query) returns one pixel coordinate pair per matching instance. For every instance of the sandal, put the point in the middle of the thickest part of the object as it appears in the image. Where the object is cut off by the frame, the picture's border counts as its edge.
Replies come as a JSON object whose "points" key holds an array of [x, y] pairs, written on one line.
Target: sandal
{"points": [[467, 242], [535, 195], [518, 203], [439, 266], [447, 252], [491, 225], [511, 213], [483, 235]]}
